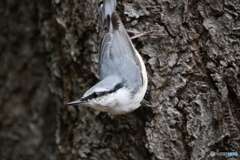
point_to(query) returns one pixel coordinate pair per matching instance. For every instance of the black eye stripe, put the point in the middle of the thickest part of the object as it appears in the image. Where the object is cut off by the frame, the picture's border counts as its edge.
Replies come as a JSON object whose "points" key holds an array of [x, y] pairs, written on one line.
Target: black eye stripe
{"points": [[100, 94]]}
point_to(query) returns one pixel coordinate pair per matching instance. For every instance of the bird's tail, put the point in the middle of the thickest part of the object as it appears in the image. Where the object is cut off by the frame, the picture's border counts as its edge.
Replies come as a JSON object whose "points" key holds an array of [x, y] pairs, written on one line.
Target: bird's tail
{"points": [[106, 7]]}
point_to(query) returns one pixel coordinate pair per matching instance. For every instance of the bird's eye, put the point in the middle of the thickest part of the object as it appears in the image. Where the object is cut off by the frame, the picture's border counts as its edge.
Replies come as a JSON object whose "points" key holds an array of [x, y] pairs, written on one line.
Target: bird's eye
{"points": [[95, 94]]}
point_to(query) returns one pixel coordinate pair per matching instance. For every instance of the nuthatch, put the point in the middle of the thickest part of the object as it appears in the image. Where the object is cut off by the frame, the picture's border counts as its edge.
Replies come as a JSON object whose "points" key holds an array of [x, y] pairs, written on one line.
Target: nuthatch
{"points": [[123, 77]]}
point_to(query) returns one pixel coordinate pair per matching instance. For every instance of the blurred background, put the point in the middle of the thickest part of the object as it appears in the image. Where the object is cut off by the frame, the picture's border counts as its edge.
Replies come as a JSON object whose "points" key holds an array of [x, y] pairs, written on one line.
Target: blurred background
{"points": [[27, 109]]}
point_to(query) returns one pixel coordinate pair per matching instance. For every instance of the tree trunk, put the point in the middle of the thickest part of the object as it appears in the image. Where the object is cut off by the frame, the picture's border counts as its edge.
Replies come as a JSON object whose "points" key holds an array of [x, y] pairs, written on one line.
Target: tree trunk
{"points": [[192, 104], [27, 112]]}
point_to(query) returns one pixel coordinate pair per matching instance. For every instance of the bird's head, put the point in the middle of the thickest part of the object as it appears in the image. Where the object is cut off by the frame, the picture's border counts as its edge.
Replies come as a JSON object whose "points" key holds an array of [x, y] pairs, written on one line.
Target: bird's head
{"points": [[108, 95]]}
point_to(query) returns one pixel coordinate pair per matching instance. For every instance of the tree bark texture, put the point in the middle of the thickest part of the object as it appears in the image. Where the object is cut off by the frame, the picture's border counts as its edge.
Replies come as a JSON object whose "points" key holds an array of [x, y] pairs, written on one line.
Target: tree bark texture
{"points": [[192, 55], [27, 112]]}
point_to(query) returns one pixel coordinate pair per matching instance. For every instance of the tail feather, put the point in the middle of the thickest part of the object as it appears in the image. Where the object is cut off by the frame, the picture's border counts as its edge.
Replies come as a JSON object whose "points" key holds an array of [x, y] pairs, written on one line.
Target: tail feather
{"points": [[106, 7]]}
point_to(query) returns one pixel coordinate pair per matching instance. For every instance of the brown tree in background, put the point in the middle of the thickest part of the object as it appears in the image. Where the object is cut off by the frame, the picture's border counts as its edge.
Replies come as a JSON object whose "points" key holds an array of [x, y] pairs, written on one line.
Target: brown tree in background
{"points": [[48, 56]]}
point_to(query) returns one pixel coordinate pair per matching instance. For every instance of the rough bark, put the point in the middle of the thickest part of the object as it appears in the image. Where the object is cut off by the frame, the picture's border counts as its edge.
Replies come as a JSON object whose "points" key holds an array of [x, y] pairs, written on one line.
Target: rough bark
{"points": [[192, 58], [27, 112]]}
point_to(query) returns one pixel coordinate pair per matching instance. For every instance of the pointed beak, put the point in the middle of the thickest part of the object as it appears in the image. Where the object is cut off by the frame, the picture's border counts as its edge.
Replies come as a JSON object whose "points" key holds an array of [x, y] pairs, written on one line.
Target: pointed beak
{"points": [[79, 101]]}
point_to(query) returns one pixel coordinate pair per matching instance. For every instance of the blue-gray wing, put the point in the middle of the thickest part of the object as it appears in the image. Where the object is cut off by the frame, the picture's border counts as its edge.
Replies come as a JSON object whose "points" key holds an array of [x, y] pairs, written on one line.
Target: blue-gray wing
{"points": [[117, 54]]}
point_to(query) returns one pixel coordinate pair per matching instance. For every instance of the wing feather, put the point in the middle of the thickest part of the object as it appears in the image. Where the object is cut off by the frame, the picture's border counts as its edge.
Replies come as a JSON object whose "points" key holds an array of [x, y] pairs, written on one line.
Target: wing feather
{"points": [[117, 55]]}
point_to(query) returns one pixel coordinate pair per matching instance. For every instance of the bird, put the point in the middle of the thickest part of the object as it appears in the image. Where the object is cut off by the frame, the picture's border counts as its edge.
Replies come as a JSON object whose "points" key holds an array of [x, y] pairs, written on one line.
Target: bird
{"points": [[122, 73]]}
